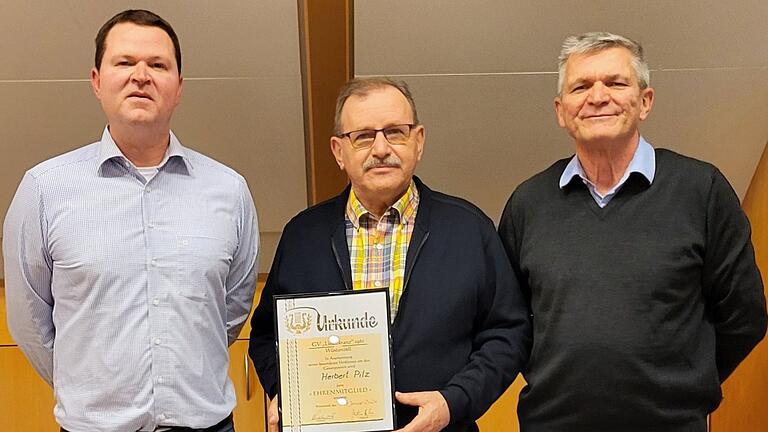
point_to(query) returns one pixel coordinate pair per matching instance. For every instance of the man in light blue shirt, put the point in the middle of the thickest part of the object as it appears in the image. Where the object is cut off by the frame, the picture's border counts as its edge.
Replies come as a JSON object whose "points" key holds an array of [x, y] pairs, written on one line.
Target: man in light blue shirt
{"points": [[131, 262]]}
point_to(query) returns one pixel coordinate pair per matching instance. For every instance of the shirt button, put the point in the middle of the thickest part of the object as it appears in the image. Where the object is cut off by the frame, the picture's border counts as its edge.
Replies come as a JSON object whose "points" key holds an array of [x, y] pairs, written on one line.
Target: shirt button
{"points": [[148, 190], [156, 302], [377, 284], [379, 246], [154, 262], [160, 380], [151, 225], [157, 341]]}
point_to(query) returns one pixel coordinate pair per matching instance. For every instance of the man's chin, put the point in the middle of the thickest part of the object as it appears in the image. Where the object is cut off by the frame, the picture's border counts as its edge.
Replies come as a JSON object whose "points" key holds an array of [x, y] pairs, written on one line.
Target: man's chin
{"points": [[383, 182], [598, 137], [139, 117]]}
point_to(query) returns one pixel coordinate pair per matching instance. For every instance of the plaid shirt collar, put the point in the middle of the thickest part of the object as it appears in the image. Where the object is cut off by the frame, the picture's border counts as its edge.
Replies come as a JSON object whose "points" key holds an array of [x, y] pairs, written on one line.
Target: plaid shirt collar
{"points": [[404, 208]]}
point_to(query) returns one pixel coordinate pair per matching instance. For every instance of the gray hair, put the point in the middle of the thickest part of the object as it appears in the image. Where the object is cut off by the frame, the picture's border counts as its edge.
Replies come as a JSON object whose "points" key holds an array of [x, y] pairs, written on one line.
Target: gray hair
{"points": [[361, 87], [598, 41]]}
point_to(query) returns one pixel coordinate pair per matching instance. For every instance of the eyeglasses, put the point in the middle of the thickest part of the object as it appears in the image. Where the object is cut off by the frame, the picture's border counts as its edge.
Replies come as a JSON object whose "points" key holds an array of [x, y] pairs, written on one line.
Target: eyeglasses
{"points": [[395, 135]]}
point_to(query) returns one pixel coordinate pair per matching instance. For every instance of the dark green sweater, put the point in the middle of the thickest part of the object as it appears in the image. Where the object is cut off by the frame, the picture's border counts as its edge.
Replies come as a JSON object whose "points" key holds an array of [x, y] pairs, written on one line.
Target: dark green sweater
{"points": [[640, 309]]}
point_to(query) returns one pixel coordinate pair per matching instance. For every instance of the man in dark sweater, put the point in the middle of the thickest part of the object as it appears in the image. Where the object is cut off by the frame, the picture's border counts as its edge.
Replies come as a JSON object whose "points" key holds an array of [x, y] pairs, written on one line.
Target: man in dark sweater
{"points": [[460, 330], [637, 263]]}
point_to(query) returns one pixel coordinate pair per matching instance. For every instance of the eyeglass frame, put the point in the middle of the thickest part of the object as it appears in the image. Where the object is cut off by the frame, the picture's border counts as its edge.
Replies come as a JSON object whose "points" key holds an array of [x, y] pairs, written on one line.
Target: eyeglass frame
{"points": [[411, 126]]}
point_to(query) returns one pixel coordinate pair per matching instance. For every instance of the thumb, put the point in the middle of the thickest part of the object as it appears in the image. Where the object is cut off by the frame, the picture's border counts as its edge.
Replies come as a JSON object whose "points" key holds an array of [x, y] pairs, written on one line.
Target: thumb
{"points": [[272, 412], [412, 398]]}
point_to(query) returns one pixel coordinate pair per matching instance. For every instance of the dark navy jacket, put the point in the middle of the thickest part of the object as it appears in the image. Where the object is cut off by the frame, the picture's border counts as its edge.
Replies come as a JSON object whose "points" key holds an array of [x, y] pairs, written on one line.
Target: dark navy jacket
{"points": [[462, 325]]}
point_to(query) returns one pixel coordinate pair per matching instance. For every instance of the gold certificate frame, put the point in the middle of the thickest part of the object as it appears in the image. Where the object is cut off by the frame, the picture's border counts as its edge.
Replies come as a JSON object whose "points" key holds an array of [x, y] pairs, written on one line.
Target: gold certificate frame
{"points": [[335, 362]]}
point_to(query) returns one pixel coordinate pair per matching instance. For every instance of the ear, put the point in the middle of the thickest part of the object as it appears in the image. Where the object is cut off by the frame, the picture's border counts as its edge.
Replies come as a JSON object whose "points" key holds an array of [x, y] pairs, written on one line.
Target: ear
{"points": [[646, 102], [420, 139], [96, 83], [559, 111], [178, 92], [336, 149]]}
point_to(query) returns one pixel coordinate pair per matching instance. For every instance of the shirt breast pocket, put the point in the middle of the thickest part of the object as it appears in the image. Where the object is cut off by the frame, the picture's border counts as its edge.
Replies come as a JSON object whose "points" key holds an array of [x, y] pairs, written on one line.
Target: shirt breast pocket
{"points": [[203, 266]]}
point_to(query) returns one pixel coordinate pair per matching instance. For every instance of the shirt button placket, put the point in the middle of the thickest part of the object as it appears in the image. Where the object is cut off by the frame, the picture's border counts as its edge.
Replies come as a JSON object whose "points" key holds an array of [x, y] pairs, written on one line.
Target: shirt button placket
{"points": [[154, 298]]}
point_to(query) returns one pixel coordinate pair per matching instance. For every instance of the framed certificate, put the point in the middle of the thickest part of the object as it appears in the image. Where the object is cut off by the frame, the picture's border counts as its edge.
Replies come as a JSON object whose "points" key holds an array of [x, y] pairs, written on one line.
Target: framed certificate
{"points": [[334, 362]]}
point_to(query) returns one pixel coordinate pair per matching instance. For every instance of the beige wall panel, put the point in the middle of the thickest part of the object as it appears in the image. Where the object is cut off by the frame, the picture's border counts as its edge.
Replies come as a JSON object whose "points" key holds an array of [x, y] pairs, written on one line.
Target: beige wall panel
{"points": [[486, 134], [218, 39], [255, 127], [720, 116], [490, 36]]}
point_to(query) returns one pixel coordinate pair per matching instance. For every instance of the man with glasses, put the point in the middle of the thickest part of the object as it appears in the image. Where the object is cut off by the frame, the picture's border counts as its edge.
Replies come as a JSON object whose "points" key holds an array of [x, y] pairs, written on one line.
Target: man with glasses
{"points": [[460, 328]]}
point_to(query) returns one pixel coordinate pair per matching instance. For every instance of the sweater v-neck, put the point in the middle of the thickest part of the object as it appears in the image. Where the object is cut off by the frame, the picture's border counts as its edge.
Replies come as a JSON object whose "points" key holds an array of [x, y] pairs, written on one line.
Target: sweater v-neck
{"points": [[634, 185]]}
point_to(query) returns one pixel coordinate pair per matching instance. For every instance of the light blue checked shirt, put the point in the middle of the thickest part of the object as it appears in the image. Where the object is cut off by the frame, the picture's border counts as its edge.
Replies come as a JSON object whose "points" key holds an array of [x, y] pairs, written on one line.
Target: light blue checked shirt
{"points": [[125, 294]]}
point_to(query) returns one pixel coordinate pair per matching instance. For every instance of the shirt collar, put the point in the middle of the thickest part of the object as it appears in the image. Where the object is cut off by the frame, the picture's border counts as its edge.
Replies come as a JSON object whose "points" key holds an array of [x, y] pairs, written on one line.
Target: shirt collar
{"points": [[109, 150], [643, 162], [405, 207]]}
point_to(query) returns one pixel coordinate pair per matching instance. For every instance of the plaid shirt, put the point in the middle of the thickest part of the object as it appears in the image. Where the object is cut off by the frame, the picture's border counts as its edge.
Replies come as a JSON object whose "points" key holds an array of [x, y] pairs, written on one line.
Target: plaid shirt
{"points": [[377, 248]]}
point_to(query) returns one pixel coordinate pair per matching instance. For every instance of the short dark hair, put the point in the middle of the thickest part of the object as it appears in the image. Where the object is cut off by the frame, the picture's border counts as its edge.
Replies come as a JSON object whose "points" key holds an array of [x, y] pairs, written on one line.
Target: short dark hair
{"points": [[361, 87], [139, 17]]}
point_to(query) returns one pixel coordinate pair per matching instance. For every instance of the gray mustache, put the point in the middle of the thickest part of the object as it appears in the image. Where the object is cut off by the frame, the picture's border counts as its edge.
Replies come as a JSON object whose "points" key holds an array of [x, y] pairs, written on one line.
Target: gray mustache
{"points": [[389, 161]]}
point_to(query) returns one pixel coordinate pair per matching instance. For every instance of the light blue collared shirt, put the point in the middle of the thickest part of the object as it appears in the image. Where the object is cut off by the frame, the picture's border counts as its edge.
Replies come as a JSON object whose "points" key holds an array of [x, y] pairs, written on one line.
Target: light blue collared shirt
{"points": [[124, 293], [643, 162]]}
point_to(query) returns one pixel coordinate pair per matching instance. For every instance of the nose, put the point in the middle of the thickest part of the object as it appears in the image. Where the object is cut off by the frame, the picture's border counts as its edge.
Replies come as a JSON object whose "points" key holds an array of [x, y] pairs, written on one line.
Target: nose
{"points": [[380, 148], [140, 73], [598, 93]]}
